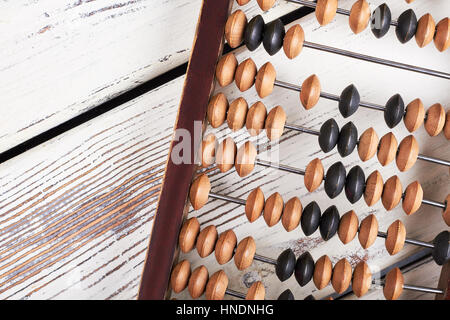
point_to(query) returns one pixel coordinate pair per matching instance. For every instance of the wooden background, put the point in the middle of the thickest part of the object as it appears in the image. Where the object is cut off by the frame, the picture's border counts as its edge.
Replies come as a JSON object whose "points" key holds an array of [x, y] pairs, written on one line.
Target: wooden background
{"points": [[76, 211]]}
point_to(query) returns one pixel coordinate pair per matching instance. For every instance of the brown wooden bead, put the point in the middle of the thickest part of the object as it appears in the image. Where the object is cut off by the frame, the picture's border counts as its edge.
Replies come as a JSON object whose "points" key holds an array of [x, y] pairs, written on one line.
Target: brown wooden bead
{"points": [[374, 188], [387, 149], [392, 193], [265, 4], [225, 246], [245, 252], [245, 74], [342, 276], [362, 279], [180, 276], [217, 110], [415, 115], [217, 285], [293, 41], [273, 209], [225, 155], [225, 69], [325, 11], [234, 28], [256, 291], [313, 175], [310, 93], [245, 159], [256, 117], [265, 80], [447, 125], [368, 144], [348, 227], [396, 235], [359, 16], [254, 204], [442, 36], [435, 119], [425, 30], [446, 211], [323, 270], [393, 285], [206, 241], [368, 231], [199, 192], [188, 234], [413, 198], [409, 1], [237, 114], [408, 150], [197, 282], [242, 2], [291, 214], [208, 150], [275, 122]]}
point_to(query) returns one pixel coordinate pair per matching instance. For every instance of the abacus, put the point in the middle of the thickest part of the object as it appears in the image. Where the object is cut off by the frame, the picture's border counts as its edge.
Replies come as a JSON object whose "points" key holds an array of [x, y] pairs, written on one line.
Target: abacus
{"points": [[280, 182]]}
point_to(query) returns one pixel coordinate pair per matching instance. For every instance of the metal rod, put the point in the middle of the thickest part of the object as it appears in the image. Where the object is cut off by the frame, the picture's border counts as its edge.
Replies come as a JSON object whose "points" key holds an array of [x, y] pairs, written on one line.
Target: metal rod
{"points": [[434, 203], [301, 129], [265, 259], [423, 289], [227, 198], [410, 241], [433, 160], [235, 294], [280, 167]]}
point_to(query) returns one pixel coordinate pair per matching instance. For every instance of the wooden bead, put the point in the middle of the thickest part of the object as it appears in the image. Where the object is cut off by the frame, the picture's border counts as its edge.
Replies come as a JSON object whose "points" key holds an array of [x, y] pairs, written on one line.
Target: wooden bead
{"points": [[237, 114], [413, 198], [393, 285], [254, 204], [208, 150], [245, 74], [425, 30], [256, 117], [217, 285], [396, 235], [408, 150], [217, 110], [392, 193], [245, 159], [226, 152], [415, 115], [368, 144], [409, 1], [368, 231], [265, 4], [225, 69], [313, 175], [446, 211], [310, 93], [180, 276], [442, 36], [387, 149], [447, 126], [348, 227], [276, 119], [256, 291], [325, 11], [292, 214], [234, 28], [206, 241], [273, 209], [245, 252], [342, 276], [242, 2], [225, 246], [188, 234], [359, 16], [293, 41], [197, 282], [362, 279], [374, 188], [435, 119], [199, 192], [323, 270], [265, 80]]}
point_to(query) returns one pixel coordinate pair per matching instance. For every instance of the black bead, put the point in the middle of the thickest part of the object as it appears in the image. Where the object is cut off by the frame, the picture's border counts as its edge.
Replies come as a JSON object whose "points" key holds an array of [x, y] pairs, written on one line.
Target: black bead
{"points": [[304, 269], [441, 250], [394, 111], [310, 297], [348, 138], [381, 20], [335, 180], [406, 26], [349, 101], [354, 184], [253, 35], [329, 223], [285, 265], [328, 135], [273, 36], [310, 218], [286, 295]]}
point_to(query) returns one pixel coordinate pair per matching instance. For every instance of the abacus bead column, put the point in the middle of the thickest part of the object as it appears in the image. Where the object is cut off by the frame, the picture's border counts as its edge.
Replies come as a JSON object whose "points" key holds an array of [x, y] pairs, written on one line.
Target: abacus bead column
{"points": [[275, 122], [237, 114], [412, 198], [180, 276], [188, 235], [304, 269], [342, 276], [394, 110], [387, 149], [285, 265], [435, 119], [293, 41], [408, 151], [310, 218], [425, 30], [254, 204], [256, 291], [406, 26], [245, 252], [245, 74], [217, 285], [441, 250], [265, 80], [329, 223], [323, 270], [206, 241], [256, 117], [286, 295], [234, 28], [359, 16], [225, 69], [348, 138], [265, 4], [381, 20], [199, 191], [442, 36], [197, 281], [368, 144], [328, 135], [414, 116], [225, 154], [348, 227], [393, 285], [225, 246], [310, 93], [253, 34], [313, 175], [368, 231], [354, 184], [273, 36], [349, 101], [374, 188], [395, 239], [273, 209], [362, 279], [245, 159], [292, 214], [392, 193], [325, 11], [335, 180]]}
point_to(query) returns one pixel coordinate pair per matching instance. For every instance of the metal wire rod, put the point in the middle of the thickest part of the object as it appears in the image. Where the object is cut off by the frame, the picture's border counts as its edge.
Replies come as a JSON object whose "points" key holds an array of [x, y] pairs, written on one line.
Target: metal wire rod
{"points": [[227, 198], [280, 167]]}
